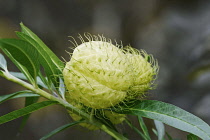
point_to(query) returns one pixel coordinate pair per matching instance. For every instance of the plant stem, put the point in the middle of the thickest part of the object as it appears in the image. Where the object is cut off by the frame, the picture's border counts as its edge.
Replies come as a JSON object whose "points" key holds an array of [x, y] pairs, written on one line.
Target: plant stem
{"points": [[135, 129], [68, 106]]}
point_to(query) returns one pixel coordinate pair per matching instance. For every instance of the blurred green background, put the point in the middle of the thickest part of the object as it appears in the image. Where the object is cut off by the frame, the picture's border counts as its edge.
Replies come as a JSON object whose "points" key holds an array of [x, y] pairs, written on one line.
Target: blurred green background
{"points": [[177, 33]]}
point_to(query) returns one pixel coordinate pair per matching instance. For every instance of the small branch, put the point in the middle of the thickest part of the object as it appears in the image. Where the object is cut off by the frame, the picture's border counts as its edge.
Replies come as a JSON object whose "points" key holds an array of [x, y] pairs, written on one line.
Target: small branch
{"points": [[68, 106], [135, 129]]}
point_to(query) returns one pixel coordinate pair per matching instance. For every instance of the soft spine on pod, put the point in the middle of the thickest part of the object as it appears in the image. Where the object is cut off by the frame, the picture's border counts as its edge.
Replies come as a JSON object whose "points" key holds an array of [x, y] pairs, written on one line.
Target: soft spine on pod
{"points": [[101, 75]]}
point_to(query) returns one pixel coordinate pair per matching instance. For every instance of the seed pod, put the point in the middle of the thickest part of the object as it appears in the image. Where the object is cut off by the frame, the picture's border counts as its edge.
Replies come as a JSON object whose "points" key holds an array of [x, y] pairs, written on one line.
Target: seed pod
{"points": [[101, 75], [98, 74]]}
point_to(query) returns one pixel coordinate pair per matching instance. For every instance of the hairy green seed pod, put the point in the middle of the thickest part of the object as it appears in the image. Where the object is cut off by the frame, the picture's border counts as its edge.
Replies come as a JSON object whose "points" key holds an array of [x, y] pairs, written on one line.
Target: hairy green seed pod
{"points": [[101, 75], [145, 70]]}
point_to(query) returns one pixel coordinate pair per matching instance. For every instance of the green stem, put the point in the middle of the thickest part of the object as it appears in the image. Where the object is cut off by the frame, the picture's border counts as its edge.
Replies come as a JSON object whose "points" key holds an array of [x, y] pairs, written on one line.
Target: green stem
{"points": [[135, 129], [144, 128], [68, 106], [91, 115]]}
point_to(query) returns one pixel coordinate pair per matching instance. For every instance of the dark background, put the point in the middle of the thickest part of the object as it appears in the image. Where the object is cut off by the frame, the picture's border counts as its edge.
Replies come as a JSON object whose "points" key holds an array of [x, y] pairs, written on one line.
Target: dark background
{"points": [[175, 32]]}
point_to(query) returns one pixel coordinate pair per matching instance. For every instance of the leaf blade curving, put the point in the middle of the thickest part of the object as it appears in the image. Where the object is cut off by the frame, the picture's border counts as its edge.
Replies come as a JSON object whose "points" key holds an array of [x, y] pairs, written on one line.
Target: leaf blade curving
{"points": [[24, 111], [23, 56], [170, 115]]}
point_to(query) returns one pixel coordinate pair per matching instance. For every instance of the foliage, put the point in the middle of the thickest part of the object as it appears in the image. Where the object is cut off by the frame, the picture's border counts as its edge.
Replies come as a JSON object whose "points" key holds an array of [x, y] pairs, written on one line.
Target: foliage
{"points": [[30, 54]]}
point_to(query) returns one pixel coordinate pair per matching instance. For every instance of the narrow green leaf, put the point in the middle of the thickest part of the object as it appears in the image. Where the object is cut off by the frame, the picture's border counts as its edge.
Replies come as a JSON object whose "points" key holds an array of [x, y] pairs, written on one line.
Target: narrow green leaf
{"points": [[144, 127], [169, 114], [24, 111], [31, 100], [160, 129], [21, 68], [1, 73], [3, 62], [200, 69], [25, 95], [155, 131], [50, 62], [55, 59], [23, 55], [192, 137], [48, 83], [60, 129], [45, 60], [19, 94], [50, 69], [169, 136]]}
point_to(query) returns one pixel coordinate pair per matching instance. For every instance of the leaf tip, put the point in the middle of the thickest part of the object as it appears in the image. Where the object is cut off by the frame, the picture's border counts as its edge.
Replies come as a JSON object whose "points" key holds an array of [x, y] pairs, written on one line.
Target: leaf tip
{"points": [[21, 23]]}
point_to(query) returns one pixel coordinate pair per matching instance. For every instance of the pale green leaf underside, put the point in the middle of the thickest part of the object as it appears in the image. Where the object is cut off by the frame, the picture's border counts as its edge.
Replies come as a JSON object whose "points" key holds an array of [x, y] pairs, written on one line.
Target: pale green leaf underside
{"points": [[160, 129], [22, 76], [170, 115], [3, 62], [26, 95], [24, 111], [19, 94]]}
